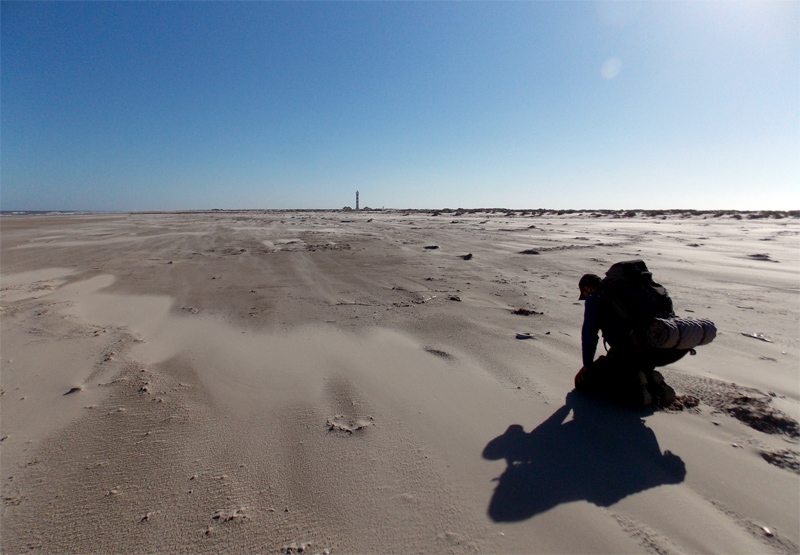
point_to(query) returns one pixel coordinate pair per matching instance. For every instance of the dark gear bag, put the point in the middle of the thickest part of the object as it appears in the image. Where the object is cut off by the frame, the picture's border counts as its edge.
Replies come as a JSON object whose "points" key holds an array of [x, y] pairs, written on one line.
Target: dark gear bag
{"points": [[638, 317], [631, 300]]}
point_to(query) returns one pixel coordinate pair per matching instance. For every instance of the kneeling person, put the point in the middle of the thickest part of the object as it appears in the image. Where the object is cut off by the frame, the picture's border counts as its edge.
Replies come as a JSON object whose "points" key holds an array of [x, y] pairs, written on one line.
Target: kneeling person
{"points": [[623, 373]]}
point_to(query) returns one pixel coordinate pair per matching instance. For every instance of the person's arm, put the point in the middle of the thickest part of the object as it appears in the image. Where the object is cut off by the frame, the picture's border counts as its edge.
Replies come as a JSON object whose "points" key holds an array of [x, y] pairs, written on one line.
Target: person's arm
{"points": [[591, 327]]}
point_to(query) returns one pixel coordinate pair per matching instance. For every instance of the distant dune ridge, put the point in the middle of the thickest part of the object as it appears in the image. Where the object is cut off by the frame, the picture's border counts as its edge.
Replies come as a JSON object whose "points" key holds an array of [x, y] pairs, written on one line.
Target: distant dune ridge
{"points": [[329, 382]]}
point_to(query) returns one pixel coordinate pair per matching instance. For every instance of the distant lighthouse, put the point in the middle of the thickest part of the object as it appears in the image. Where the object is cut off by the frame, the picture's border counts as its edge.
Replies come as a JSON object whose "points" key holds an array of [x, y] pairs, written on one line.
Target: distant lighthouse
{"points": [[356, 200]]}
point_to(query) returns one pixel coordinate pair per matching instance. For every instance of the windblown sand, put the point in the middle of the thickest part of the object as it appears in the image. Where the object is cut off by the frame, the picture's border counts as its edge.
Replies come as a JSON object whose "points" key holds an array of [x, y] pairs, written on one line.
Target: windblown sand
{"points": [[265, 382]]}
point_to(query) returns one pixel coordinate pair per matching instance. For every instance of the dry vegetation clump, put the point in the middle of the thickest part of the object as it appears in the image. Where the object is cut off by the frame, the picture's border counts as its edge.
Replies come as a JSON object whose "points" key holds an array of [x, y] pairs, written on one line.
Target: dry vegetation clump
{"points": [[682, 213]]}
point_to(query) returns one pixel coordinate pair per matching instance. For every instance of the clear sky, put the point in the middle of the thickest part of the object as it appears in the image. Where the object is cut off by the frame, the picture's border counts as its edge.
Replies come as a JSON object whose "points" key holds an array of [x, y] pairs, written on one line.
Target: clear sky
{"points": [[196, 105]]}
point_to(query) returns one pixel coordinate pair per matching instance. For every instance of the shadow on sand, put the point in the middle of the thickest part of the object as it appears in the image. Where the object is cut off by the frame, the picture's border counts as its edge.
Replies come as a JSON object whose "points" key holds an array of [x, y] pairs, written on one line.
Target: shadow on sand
{"points": [[604, 453]]}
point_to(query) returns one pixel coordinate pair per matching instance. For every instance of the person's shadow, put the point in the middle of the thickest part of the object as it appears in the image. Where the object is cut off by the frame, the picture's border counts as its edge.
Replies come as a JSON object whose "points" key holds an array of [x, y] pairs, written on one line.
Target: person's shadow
{"points": [[603, 454]]}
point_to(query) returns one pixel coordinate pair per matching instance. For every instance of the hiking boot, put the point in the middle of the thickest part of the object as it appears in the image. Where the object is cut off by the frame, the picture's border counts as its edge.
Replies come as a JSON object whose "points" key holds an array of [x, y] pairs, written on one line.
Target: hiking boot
{"points": [[662, 393]]}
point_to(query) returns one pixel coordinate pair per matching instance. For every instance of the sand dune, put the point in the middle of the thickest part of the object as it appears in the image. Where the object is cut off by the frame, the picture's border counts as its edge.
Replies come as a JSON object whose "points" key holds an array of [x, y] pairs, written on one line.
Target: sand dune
{"points": [[323, 382]]}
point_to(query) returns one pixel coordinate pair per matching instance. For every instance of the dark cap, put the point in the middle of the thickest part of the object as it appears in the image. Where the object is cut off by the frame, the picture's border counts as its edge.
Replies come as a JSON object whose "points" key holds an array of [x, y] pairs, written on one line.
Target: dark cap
{"points": [[588, 280]]}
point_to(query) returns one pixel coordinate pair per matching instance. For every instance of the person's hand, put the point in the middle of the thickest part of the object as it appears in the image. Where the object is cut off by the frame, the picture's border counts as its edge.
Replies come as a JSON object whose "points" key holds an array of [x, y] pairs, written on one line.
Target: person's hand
{"points": [[580, 377]]}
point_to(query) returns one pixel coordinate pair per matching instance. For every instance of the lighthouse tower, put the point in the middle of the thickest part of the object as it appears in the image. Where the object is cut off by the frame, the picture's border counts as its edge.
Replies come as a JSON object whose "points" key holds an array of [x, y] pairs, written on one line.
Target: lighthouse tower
{"points": [[356, 200]]}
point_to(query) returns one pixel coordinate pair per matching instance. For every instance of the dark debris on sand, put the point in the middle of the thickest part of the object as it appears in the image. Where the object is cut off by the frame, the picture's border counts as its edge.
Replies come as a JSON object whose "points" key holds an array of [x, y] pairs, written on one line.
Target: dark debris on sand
{"points": [[761, 256], [683, 402], [785, 458], [757, 413], [525, 312], [441, 354], [748, 405]]}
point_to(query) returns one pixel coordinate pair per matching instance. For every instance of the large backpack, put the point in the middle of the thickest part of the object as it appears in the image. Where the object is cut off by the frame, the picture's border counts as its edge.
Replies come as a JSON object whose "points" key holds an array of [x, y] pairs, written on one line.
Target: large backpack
{"points": [[630, 302]]}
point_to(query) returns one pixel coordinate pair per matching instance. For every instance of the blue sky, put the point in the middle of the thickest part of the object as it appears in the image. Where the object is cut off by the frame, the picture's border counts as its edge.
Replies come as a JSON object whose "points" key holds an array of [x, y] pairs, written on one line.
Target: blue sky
{"points": [[195, 105]]}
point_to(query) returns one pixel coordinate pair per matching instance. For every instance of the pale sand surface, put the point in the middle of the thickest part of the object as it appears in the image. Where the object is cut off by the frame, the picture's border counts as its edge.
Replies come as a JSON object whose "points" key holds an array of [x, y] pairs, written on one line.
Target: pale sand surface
{"points": [[276, 382]]}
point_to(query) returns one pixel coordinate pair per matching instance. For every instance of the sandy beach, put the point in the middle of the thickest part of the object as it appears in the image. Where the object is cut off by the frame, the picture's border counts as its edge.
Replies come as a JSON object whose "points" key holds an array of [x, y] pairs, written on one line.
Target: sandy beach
{"points": [[365, 382]]}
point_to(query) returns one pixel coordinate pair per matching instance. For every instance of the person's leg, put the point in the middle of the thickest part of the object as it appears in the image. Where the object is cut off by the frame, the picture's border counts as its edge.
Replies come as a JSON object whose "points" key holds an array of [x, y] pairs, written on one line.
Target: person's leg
{"points": [[661, 392], [623, 381], [632, 379], [594, 378]]}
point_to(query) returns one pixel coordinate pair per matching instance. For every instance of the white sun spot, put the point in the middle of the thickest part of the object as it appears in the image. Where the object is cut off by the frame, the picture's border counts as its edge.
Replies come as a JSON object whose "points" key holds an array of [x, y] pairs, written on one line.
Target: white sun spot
{"points": [[610, 68]]}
